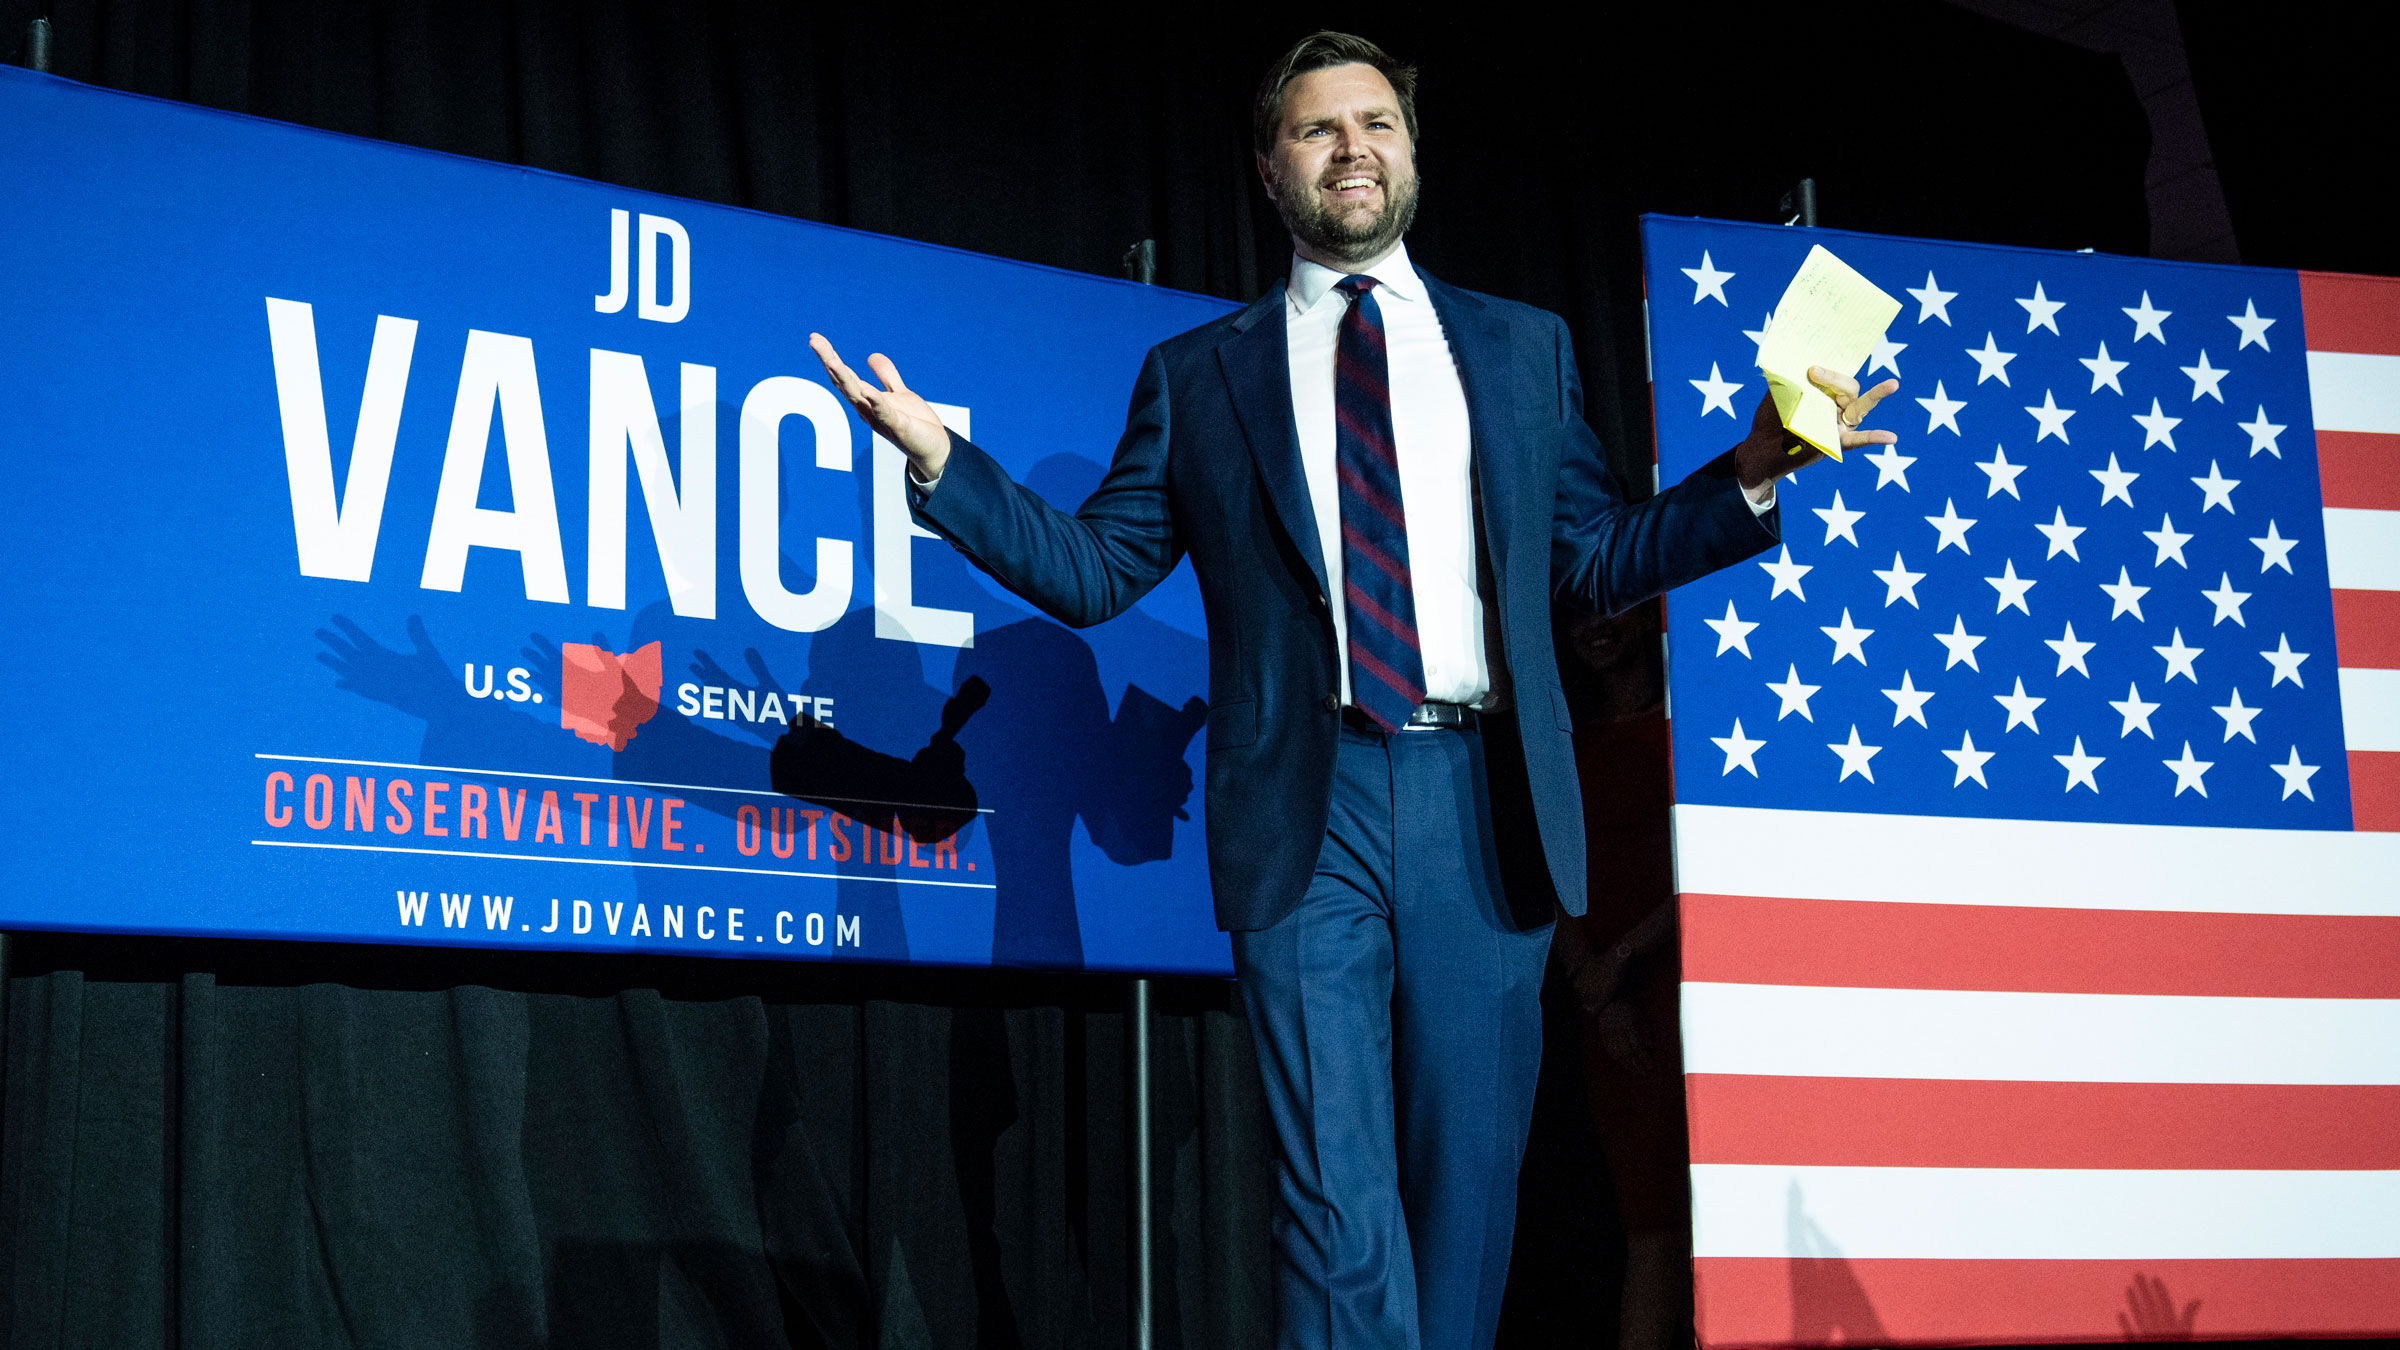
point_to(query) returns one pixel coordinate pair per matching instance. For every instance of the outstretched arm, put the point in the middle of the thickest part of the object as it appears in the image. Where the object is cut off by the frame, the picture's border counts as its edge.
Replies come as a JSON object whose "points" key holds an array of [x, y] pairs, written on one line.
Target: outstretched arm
{"points": [[1081, 567], [1608, 555]]}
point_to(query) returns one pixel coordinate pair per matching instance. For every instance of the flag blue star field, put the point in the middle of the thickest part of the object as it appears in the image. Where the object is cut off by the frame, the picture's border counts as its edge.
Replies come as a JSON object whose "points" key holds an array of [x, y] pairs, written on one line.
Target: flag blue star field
{"points": [[2038, 806], [2087, 584]]}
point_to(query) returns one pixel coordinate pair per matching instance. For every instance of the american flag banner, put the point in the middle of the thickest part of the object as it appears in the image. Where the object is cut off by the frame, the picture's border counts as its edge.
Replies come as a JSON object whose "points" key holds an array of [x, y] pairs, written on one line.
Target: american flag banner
{"points": [[2038, 806]]}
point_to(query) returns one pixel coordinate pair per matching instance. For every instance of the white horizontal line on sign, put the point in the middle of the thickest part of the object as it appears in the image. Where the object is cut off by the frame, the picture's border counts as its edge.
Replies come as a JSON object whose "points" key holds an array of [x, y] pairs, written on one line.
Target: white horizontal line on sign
{"points": [[625, 862], [2362, 549], [1957, 1213], [1831, 1031], [1965, 860], [2371, 712], [2353, 391], [611, 782]]}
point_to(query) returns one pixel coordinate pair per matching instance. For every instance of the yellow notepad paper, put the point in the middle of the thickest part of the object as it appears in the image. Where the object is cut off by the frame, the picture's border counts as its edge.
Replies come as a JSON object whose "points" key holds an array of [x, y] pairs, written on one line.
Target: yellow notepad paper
{"points": [[1829, 316]]}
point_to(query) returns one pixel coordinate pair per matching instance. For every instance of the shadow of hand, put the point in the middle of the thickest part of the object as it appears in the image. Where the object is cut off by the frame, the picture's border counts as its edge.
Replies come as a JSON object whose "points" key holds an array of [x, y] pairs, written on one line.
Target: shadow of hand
{"points": [[2150, 1313], [416, 682], [543, 658]]}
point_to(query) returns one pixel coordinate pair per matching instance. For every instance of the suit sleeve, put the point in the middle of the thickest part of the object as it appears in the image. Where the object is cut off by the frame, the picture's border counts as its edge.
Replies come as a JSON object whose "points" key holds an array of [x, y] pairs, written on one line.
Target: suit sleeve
{"points": [[1080, 568], [1607, 555]]}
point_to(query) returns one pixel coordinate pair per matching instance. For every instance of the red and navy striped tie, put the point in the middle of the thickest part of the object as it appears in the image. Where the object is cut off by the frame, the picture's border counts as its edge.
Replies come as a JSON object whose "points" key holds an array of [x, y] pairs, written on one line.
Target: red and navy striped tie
{"points": [[1387, 669]]}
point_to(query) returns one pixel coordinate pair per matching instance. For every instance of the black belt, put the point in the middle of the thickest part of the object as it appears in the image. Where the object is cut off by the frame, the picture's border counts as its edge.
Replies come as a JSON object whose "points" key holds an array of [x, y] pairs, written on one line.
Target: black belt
{"points": [[1427, 717]]}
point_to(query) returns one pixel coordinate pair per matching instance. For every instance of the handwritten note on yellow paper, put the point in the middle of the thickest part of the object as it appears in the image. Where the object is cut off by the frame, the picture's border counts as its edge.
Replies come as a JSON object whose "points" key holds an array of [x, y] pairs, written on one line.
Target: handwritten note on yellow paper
{"points": [[1829, 316]]}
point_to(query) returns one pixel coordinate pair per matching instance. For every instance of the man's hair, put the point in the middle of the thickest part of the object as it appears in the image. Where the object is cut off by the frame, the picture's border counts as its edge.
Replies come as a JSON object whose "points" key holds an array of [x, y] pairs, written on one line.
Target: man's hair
{"points": [[1318, 51]]}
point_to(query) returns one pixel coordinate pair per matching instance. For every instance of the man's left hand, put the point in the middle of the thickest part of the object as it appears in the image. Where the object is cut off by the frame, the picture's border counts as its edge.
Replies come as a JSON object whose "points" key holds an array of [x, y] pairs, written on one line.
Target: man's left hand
{"points": [[1767, 453]]}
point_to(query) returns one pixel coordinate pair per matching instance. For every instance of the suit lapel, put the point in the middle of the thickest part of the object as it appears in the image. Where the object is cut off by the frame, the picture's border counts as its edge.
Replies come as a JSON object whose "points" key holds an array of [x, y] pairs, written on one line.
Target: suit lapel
{"points": [[1257, 364], [1479, 343]]}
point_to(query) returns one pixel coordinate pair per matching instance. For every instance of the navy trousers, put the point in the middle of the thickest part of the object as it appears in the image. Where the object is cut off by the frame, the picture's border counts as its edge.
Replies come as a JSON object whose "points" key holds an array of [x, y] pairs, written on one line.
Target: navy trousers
{"points": [[1397, 1014]]}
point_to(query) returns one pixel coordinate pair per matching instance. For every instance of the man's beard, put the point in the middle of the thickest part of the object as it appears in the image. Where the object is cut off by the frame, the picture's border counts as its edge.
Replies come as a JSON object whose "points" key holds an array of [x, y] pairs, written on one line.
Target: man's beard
{"points": [[1335, 235]]}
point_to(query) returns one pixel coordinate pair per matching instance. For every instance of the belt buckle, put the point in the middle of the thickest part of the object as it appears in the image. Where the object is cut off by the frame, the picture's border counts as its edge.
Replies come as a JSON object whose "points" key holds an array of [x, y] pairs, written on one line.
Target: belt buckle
{"points": [[1432, 716]]}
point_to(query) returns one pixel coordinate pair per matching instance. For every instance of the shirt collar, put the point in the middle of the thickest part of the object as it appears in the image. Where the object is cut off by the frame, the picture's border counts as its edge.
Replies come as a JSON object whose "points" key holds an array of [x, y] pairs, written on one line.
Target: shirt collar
{"points": [[1395, 274]]}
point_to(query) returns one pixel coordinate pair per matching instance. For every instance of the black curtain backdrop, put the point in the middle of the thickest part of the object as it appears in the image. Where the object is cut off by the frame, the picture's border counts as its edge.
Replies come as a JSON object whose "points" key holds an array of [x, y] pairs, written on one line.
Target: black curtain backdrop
{"points": [[213, 1143]]}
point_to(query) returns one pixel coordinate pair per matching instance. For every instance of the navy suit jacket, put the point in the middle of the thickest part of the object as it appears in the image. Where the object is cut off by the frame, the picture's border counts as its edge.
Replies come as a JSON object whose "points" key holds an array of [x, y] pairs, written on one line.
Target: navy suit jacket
{"points": [[1210, 465]]}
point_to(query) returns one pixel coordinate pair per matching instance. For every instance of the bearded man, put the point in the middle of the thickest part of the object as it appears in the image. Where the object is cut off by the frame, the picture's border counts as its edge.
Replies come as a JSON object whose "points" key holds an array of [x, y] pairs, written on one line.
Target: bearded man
{"points": [[1384, 484]]}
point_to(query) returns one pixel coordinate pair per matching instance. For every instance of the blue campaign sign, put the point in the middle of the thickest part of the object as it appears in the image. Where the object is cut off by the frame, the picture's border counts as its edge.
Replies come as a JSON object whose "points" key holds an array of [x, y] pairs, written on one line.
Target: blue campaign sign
{"points": [[405, 548]]}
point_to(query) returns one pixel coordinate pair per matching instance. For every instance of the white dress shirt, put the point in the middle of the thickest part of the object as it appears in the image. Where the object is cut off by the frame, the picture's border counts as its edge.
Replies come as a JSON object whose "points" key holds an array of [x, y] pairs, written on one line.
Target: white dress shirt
{"points": [[1431, 436]]}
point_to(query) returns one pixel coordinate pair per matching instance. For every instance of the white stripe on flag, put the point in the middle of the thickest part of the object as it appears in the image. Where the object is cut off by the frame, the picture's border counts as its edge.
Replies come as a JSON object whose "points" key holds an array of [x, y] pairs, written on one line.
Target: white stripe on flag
{"points": [[1966, 860], [1958, 1213], [1833, 1031], [2371, 712], [2350, 391], [2362, 549]]}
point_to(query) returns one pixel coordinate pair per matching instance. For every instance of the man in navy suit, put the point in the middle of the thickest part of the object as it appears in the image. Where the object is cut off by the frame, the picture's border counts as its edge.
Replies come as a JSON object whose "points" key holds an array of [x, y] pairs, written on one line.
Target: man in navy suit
{"points": [[1384, 485]]}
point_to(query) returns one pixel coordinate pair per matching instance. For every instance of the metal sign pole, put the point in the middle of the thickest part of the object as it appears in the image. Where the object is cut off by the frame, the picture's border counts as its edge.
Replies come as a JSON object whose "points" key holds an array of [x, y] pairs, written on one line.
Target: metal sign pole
{"points": [[1141, 264]]}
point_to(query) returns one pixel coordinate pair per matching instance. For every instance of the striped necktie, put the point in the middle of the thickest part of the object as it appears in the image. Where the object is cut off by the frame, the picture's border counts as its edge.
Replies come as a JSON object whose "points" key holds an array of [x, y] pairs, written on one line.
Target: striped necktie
{"points": [[1387, 670]]}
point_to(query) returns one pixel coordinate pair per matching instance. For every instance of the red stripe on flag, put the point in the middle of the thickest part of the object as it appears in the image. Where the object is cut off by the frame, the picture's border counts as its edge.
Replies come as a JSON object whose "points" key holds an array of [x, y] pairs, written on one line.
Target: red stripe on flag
{"points": [[1883, 945], [2366, 628], [2359, 469], [1775, 1301], [2375, 790], [1920, 1122], [2346, 313]]}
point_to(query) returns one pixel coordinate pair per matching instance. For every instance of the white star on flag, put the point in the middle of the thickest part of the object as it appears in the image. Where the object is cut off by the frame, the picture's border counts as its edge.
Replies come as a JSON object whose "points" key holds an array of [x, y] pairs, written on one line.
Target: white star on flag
{"points": [[1960, 643], [2219, 489], [2286, 663], [1891, 467], [1941, 410], [2170, 542], [2204, 378], [2114, 481], [2263, 433], [1738, 750], [2157, 427], [1707, 280], [1838, 520], [2274, 550], [2061, 535], [2002, 473], [1758, 335], [1908, 701], [2011, 588], [1787, 574], [1953, 528], [2020, 707], [2254, 328], [2070, 652], [1932, 301], [2079, 767], [2295, 776], [2180, 658], [1886, 357], [2051, 418], [1733, 634], [1991, 363], [2228, 601], [2238, 718], [2041, 311], [1854, 756], [1716, 392], [2135, 712], [2104, 370], [2148, 322], [1848, 639], [1899, 583], [2188, 771], [2128, 597], [1794, 695], [1970, 761]]}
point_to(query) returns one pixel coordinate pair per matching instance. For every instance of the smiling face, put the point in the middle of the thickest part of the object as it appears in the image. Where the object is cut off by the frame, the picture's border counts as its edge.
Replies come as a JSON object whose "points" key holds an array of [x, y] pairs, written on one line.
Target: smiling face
{"points": [[1341, 169]]}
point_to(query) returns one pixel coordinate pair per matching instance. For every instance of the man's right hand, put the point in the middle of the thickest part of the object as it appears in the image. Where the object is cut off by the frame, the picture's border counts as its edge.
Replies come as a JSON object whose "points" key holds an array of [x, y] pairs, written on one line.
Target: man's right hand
{"points": [[895, 412]]}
